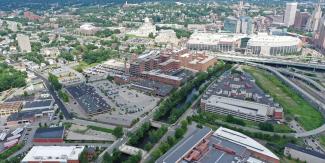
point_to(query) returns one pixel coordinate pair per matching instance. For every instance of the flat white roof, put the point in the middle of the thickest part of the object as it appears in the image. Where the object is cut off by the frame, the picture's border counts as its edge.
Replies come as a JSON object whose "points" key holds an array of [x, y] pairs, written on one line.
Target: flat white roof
{"points": [[214, 38], [53, 153], [242, 106], [155, 73], [273, 41], [243, 140]]}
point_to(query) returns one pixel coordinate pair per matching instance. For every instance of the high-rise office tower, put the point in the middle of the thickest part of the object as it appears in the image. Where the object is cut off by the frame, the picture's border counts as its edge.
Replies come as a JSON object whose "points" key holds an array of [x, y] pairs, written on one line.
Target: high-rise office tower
{"points": [[313, 21], [290, 13], [301, 20], [247, 25], [319, 35], [232, 25]]}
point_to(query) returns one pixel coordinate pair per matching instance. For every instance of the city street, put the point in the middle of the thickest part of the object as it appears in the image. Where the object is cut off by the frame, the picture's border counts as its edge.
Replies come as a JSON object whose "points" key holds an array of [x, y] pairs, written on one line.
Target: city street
{"points": [[61, 106]]}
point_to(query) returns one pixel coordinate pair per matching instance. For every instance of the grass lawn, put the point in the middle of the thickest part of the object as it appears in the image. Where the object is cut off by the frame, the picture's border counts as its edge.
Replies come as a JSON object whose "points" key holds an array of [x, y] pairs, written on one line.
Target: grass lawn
{"points": [[83, 65], [134, 36], [322, 140], [287, 160], [294, 105], [100, 129], [4, 155], [282, 128]]}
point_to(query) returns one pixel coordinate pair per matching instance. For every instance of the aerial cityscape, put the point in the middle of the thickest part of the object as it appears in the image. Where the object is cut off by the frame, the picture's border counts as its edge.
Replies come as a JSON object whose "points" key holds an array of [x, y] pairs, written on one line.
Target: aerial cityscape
{"points": [[162, 81]]}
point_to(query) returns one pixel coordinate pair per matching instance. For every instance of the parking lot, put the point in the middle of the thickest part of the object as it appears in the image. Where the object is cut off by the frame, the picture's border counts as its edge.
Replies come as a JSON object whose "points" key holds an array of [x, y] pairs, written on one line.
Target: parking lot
{"points": [[127, 104], [79, 132], [88, 99]]}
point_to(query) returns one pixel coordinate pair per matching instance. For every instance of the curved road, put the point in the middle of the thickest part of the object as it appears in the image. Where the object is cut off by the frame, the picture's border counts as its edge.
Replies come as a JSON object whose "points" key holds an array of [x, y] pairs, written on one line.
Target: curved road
{"points": [[304, 94], [303, 77]]}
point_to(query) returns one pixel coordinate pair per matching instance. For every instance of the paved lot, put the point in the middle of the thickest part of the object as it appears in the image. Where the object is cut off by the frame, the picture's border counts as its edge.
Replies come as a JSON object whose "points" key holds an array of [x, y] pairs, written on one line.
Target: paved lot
{"points": [[127, 104], [88, 99], [78, 132]]}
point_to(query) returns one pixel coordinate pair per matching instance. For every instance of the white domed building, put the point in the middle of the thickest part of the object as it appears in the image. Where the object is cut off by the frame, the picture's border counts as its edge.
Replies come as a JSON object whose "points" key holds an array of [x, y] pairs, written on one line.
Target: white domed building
{"points": [[269, 45], [144, 30]]}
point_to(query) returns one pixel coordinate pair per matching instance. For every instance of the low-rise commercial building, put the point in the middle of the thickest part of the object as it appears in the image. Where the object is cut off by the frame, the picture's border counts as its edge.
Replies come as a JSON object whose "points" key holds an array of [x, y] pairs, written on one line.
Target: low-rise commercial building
{"points": [[49, 135], [53, 154], [29, 116], [38, 105], [8, 108], [303, 154], [68, 76]]}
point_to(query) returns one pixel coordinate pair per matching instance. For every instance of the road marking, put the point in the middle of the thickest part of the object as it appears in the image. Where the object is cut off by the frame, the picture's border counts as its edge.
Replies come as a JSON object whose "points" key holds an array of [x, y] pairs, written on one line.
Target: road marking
{"points": [[219, 157]]}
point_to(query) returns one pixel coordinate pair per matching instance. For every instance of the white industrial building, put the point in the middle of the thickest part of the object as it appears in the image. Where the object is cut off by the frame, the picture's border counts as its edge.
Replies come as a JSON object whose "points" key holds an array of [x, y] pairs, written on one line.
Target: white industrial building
{"points": [[62, 154], [269, 45]]}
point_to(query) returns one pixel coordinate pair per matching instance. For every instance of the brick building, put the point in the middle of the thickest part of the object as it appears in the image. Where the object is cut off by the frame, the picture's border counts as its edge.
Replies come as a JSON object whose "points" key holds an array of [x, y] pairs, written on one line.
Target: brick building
{"points": [[163, 78], [31, 16], [49, 135]]}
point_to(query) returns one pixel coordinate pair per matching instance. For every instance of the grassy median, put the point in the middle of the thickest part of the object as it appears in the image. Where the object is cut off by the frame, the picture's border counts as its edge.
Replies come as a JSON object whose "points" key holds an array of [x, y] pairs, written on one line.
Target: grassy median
{"points": [[294, 106]]}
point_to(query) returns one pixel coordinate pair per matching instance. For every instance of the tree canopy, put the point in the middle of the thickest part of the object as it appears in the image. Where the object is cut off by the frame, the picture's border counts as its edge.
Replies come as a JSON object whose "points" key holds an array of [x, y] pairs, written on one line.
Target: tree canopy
{"points": [[11, 78]]}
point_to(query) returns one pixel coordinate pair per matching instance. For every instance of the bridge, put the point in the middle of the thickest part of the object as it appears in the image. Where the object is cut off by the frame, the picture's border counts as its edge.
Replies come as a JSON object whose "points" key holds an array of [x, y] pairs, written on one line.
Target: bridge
{"points": [[272, 61], [311, 132], [304, 78]]}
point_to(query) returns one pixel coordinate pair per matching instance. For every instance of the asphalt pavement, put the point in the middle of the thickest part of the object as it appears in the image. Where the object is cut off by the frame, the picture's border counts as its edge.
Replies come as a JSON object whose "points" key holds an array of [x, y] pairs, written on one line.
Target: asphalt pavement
{"points": [[57, 100]]}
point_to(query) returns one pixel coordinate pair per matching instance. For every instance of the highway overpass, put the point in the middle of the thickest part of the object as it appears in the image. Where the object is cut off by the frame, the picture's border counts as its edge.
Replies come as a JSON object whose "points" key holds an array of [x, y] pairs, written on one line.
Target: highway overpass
{"points": [[272, 62], [316, 103]]}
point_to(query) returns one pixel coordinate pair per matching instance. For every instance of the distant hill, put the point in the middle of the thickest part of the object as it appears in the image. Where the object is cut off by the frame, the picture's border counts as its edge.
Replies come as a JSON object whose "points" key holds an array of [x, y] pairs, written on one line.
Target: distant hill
{"points": [[43, 4]]}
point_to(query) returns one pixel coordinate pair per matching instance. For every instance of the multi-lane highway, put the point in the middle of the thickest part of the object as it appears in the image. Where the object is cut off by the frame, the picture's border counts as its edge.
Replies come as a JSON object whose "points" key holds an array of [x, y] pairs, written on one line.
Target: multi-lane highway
{"points": [[271, 61]]}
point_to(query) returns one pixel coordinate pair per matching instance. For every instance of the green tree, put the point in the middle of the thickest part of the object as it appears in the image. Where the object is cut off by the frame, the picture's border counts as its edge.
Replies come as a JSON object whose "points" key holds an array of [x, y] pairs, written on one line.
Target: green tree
{"points": [[148, 146], [64, 96], [151, 35], [67, 56], [10, 77], [118, 131], [54, 81], [266, 126], [35, 57], [83, 157], [179, 133]]}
